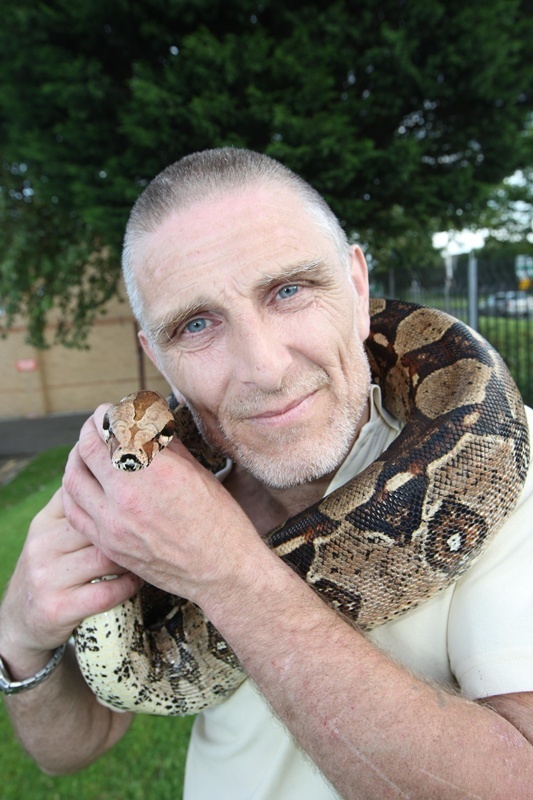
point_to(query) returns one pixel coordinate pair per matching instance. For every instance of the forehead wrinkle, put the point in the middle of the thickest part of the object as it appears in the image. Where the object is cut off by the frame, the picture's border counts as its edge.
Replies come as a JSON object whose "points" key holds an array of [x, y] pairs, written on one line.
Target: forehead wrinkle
{"points": [[159, 331]]}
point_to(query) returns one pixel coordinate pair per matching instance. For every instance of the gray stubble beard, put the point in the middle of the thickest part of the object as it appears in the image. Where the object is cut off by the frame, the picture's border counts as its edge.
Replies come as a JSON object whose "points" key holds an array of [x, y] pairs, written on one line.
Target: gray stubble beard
{"points": [[319, 460]]}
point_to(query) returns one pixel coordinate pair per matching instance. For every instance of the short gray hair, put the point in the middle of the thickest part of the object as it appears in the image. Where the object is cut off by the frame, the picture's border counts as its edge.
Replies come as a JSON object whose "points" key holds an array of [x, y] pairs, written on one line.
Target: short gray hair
{"points": [[205, 174]]}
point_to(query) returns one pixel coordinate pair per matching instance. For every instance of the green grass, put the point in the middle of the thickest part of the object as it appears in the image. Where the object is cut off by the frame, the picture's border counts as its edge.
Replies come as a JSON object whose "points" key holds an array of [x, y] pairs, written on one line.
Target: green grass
{"points": [[36, 478], [149, 761], [513, 339]]}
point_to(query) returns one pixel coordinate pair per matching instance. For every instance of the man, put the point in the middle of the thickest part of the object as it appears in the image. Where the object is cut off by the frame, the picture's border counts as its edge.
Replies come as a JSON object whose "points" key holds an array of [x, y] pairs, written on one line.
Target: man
{"points": [[255, 309]]}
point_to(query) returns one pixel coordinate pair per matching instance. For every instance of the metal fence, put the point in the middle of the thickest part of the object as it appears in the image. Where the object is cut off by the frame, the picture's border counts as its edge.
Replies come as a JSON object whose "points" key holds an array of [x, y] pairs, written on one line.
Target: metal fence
{"points": [[502, 314]]}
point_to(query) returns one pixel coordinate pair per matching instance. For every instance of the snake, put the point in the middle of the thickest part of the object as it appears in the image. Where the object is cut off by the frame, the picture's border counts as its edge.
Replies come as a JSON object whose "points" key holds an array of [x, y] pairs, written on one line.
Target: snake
{"points": [[405, 528]]}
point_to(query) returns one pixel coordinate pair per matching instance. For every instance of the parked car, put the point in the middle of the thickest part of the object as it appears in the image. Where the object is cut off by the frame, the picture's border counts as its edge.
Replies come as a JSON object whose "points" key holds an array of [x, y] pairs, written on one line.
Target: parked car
{"points": [[508, 304]]}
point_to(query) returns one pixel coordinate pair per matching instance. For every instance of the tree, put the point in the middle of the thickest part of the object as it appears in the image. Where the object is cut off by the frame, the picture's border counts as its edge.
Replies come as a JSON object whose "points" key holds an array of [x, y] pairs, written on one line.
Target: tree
{"points": [[509, 212], [403, 113]]}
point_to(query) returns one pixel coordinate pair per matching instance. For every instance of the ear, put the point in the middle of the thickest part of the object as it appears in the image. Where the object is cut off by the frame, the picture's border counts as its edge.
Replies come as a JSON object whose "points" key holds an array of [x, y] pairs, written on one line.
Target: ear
{"points": [[359, 273], [147, 347], [150, 352]]}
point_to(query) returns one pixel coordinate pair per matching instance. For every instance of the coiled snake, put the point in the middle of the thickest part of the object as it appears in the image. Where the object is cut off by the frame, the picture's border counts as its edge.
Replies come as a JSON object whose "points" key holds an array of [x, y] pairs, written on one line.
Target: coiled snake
{"points": [[405, 528]]}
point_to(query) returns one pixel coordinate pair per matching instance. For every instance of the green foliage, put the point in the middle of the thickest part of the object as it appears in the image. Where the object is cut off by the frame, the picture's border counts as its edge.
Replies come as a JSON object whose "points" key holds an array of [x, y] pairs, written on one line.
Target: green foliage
{"points": [[509, 211], [50, 260], [404, 115], [149, 761]]}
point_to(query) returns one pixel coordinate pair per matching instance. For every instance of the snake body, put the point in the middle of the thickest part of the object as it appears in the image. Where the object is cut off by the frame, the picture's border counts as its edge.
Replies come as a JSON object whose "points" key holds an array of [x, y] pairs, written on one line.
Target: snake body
{"points": [[404, 529]]}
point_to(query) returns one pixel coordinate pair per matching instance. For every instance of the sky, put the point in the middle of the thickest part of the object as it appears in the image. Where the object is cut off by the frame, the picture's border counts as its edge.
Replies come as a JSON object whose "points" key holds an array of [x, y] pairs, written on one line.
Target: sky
{"points": [[455, 242]]}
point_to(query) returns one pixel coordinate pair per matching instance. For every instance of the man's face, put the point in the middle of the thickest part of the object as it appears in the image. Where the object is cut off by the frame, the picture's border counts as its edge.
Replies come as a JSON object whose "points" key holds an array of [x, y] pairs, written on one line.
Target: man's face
{"points": [[256, 323]]}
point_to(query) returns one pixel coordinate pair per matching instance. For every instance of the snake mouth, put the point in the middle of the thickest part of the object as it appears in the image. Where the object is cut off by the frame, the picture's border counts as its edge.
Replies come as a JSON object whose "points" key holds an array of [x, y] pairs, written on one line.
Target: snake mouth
{"points": [[129, 463], [125, 459]]}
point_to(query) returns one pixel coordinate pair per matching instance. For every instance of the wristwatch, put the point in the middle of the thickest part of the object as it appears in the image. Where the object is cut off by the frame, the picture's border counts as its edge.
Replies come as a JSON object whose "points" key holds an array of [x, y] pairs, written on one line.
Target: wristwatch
{"points": [[9, 686]]}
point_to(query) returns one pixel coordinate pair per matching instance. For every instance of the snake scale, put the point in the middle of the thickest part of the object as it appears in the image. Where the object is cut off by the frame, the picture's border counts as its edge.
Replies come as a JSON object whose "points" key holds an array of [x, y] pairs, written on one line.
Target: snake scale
{"points": [[404, 529]]}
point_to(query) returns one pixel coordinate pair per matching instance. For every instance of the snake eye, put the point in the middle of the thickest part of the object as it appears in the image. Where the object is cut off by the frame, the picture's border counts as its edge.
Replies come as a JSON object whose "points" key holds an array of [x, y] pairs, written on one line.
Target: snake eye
{"points": [[106, 425], [169, 429]]}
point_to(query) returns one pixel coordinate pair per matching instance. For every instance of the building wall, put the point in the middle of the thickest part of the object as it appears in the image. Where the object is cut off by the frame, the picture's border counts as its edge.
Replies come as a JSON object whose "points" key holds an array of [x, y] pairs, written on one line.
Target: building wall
{"points": [[61, 380]]}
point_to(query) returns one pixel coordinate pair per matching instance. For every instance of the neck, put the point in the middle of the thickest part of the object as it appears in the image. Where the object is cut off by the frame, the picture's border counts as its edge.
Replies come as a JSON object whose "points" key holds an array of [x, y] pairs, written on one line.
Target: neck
{"points": [[268, 507]]}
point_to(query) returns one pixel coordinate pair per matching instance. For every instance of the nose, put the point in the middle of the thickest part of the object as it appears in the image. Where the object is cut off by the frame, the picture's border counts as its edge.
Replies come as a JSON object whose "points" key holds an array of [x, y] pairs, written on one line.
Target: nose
{"points": [[261, 354]]}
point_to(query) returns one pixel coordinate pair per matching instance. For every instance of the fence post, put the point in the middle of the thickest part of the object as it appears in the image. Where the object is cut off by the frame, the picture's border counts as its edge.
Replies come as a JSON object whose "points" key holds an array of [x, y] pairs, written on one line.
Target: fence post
{"points": [[472, 291]]}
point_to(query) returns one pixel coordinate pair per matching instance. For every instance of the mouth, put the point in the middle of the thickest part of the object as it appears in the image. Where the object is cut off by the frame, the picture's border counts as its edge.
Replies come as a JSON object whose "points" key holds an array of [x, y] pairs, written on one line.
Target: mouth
{"points": [[290, 412]]}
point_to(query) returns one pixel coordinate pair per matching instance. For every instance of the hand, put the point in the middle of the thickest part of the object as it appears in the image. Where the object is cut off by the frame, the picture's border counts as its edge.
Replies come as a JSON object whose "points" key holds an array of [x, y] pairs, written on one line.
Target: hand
{"points": [[50, 591], [173, 523]]}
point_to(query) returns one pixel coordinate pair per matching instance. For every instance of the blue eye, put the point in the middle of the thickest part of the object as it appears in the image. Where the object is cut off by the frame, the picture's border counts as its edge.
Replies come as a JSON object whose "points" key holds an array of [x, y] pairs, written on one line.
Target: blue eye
{"points": [[196, 325], [288, 291]]}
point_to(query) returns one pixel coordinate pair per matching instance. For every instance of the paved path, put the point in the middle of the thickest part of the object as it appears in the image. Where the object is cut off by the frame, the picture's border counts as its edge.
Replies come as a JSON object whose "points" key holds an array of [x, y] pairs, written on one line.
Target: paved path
{"points": [[22, 439]]}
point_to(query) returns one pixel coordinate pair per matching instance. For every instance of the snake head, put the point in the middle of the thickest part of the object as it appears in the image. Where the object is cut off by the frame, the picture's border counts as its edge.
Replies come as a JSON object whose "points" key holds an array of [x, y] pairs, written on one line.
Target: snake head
{"points": [[137, 428]]}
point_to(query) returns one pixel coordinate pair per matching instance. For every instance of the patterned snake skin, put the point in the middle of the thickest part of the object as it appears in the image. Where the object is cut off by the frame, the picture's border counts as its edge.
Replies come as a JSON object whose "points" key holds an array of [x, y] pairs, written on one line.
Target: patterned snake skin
{"points": [[404, 529]]}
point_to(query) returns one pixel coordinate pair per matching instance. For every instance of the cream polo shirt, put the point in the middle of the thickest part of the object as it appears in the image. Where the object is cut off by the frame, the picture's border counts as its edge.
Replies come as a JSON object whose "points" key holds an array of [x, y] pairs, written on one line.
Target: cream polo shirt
{"points": [[476, 637]]}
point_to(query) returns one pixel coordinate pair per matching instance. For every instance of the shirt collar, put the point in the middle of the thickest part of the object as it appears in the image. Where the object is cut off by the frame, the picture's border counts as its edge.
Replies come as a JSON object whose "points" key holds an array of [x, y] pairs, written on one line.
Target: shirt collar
{"points": [[374, 437]]}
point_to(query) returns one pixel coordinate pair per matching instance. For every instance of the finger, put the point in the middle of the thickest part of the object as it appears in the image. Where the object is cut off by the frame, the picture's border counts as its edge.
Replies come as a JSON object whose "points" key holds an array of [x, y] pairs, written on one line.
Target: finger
{"points": [[88, 504], [71, 607], [50, 535], [88, 564], [54, 507], [51, 522], [60, 557], [92, 435], [89, 443], [96, 597], [98, 418], [91, 510], [81, 493]]}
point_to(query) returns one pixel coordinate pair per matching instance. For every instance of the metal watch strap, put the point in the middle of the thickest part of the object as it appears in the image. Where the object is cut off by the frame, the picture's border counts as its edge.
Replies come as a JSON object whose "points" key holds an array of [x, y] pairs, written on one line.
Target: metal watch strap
{"points": [[8, 686]]}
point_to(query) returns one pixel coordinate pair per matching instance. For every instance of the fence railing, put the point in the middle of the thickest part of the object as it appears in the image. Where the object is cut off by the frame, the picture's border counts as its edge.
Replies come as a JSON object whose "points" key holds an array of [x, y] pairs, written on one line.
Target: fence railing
{"points": [[504, 318]]}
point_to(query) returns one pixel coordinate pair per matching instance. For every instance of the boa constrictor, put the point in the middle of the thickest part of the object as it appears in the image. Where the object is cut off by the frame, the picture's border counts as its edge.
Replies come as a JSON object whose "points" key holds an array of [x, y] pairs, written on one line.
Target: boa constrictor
{"points": [[405, 528]]}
